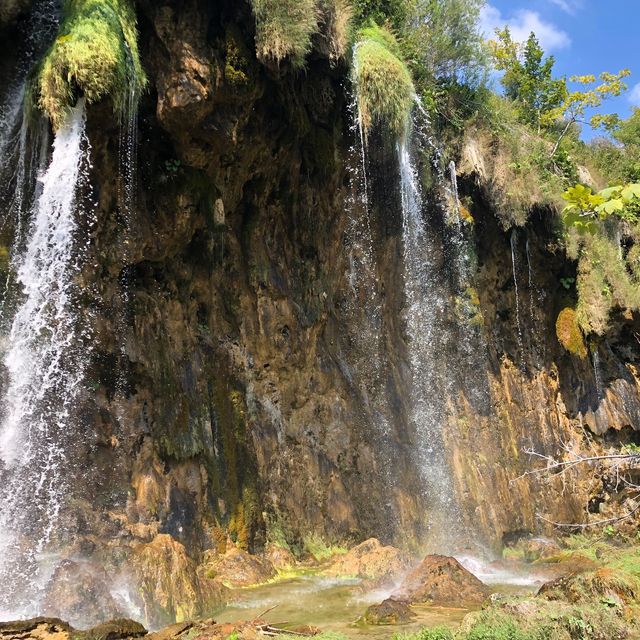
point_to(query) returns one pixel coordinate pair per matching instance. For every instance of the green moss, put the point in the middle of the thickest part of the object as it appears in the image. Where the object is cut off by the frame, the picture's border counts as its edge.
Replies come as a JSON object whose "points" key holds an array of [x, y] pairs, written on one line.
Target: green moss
{"points": [[320, 549], [284, 29], [569, 333], [96, 51], [383, 84]]}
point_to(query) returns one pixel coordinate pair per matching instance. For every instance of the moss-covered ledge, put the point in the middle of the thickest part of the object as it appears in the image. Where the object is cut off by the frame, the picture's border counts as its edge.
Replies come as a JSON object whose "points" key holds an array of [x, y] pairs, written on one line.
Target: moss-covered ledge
{"points": [[95, 54]]}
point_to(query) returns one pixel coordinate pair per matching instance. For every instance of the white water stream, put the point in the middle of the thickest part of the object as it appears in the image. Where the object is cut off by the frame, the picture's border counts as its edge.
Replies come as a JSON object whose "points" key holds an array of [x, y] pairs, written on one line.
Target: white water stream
{"points": [[45, 365]]}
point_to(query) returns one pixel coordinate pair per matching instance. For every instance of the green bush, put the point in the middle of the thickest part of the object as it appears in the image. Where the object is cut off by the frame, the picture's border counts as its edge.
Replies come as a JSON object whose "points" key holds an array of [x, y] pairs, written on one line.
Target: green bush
{"points": [[96, 51], [383, 84]]}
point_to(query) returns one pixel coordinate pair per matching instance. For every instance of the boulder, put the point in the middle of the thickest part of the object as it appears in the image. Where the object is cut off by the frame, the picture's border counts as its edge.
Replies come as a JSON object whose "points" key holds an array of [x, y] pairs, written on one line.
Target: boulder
{"points": [[238, 568], [119, 629], [78, 591], [36, 629], [370, 560], [391, 611], [279, 557], [442, 580]]}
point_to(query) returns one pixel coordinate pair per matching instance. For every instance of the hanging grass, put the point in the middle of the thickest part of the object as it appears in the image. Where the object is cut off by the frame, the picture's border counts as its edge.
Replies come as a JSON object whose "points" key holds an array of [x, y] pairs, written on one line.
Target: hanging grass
{"points": [[383, 84], [95, 54], [284, 29]]}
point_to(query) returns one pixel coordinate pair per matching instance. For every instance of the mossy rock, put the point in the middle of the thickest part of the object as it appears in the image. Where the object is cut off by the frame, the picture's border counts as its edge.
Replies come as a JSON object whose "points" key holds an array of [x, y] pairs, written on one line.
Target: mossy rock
{"points": [[384, 89], [95, 53], [569, 333]]}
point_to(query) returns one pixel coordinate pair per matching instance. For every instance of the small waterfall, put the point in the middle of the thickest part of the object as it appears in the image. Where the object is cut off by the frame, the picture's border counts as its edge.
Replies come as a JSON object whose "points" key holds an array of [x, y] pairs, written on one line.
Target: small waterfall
{"points": [[597, 374], [425, 307], [514, 265], [455, 196], [45, 364]]}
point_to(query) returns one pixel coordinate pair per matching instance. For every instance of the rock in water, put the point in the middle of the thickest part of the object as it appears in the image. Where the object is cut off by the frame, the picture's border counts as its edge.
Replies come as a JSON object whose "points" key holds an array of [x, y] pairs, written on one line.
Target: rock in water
{"points": [[238, 568], [370, 559], [390, 611], [442, 580]]}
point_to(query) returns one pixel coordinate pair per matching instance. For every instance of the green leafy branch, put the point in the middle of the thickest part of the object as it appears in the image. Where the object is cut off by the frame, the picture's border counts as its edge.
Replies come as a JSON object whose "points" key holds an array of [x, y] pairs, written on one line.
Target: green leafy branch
{"points": [[585, 208]]}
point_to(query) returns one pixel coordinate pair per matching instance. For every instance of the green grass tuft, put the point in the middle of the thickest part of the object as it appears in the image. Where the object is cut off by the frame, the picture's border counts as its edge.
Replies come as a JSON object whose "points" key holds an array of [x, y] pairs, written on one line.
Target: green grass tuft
{"points": [[284, 29], [384, 88], [96, 52]]}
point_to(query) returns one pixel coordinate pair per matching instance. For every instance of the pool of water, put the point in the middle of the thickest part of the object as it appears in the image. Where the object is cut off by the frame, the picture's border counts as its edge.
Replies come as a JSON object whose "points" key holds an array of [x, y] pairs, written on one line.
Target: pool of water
{"points": [[335, 604]]}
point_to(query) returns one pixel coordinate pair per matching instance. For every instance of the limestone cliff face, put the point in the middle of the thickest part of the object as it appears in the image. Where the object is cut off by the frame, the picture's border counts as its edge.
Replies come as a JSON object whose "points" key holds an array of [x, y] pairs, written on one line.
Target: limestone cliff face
{"points": [[238, 400], [231, 392]]}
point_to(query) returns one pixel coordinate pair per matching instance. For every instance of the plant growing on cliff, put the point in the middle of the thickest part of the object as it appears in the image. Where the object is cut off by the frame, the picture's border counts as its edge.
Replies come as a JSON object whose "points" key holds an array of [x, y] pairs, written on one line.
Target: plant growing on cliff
{"points": [[383, 84], [284, 29], [95, 53]]}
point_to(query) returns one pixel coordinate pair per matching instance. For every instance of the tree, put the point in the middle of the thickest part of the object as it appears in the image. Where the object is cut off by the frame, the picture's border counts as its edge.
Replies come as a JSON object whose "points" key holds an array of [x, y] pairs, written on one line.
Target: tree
{"points": [[445, 40], [576, 103], [528, 78]]}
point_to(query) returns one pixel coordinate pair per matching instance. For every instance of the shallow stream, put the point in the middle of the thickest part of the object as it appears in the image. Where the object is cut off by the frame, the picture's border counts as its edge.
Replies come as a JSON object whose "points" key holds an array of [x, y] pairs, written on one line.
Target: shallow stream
{"points": [[335, 604]]}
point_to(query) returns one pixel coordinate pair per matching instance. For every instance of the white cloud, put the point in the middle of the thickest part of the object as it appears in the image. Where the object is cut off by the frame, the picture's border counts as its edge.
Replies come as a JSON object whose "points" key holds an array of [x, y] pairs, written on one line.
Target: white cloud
{"points": [[634, 95], [521, 24], [568, 6]]}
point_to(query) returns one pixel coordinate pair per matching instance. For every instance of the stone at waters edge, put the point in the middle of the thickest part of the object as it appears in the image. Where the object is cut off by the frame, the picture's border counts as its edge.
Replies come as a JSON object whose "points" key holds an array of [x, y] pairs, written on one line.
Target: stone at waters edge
{"points": [[442, 580], [390, 611], [371, 560]]}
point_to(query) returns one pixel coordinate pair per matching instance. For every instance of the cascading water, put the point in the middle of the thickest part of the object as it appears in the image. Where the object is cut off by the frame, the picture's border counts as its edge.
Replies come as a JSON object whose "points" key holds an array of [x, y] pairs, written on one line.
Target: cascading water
{"points": [[363, 304], [45, 364], [514, 266], [425, 306]]}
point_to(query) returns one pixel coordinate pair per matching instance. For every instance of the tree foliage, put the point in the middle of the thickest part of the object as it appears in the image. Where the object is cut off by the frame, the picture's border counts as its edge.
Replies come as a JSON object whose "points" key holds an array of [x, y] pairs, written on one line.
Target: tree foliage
{"points": [[528, 78]]}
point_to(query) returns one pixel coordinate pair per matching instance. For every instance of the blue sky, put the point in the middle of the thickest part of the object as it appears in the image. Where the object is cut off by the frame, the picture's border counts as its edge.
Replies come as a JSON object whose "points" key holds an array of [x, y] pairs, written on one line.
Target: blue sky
{"points": [[585, 36]]}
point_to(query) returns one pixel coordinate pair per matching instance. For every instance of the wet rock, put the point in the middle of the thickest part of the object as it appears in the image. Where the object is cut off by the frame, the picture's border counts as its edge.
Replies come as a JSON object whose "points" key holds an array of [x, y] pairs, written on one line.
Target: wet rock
{"points": [[442, 580], [391, 611], [238, 568], [279, 557], [120, 629], [533, 549], [371, 560], [36, 629], [170, 586], [79, 592]]}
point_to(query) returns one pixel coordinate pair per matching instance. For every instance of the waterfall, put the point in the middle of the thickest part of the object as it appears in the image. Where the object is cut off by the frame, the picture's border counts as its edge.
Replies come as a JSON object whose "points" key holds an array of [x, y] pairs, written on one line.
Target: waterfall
{"points": [[45, 364], [514, 266], [425, 308]]}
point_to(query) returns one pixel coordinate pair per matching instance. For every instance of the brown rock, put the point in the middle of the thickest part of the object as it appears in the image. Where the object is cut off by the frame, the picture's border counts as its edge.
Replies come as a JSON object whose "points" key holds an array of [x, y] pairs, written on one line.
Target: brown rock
{"points": [[370, 559], [391, 611], [79, 592], [238, 568], [279, 557], [120, 629], [442, 580], [36, 629], [169, 582]]}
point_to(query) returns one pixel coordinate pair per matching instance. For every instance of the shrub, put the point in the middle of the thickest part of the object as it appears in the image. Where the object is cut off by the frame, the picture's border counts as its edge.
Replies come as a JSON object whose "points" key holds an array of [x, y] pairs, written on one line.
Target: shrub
{"points": [[569, 334], [337, 17], [284, 29], [384, 89], [96, 51]]}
